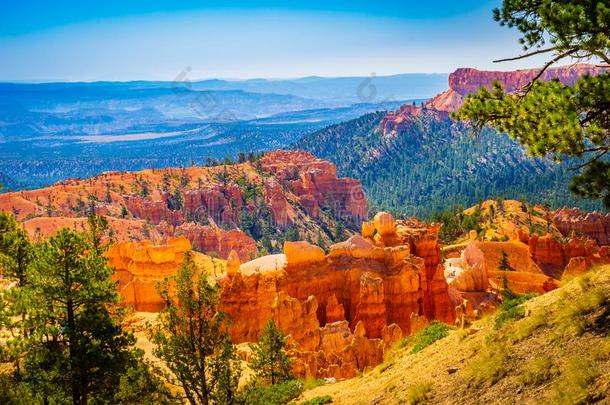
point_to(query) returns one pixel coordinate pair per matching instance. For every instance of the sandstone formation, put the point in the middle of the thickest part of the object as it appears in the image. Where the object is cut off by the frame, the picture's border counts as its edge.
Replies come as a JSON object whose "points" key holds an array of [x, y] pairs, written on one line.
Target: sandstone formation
{"points": [[466, 81], [213, 240], [139, 266], [404, 118], [344, 309], [204, 204], [315, 184], [573, 222], [537, 260]]}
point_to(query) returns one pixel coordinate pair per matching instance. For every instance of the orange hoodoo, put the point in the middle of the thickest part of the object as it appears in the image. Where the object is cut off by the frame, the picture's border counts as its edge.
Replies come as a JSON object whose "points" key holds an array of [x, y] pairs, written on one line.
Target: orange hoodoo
{"points": [[344, 309]]}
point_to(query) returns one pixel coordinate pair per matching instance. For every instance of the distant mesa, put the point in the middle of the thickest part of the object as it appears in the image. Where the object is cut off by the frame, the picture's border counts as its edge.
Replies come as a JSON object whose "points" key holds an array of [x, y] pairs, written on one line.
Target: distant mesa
{"points": [[466, 81]]}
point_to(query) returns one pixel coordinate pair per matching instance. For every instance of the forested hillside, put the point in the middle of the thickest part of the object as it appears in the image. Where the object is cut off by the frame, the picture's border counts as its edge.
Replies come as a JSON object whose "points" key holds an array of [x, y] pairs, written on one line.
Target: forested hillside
{"points": [[433, 163]]}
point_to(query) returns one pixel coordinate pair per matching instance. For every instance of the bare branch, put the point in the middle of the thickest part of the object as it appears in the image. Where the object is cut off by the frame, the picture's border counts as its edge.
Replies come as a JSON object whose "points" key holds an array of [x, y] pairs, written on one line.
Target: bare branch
{"points": [[557, 58], [527, 55], [599, 156]]}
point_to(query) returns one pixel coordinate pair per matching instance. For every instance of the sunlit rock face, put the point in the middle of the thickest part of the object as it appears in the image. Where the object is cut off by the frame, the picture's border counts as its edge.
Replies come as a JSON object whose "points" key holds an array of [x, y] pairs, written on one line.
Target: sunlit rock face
{"points": [[315, 184], [343, 309], [574, 222], [139, 266], [466, 81], [207, 205], [537, 262]]}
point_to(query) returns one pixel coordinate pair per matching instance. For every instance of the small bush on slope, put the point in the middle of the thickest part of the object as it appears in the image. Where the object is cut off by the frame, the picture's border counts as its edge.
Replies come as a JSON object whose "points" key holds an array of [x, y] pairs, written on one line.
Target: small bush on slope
{"points": [[419, 393], [488, 366], [511, 307], [536, 371], [424, 338], [277, 394], [326, 399], [572, 316]]}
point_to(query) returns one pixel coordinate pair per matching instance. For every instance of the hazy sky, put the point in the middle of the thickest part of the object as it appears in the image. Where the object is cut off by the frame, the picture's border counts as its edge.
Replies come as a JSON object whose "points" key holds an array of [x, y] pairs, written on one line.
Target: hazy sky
{"points": [[157, 39]]}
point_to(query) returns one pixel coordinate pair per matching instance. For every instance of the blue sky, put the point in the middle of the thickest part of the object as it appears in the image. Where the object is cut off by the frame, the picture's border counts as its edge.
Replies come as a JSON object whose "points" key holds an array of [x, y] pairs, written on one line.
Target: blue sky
{"points": [[158, 39]]}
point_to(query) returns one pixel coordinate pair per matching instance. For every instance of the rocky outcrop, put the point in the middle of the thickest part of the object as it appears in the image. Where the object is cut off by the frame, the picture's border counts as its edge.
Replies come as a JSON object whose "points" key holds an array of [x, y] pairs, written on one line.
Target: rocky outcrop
{"points": [[468, 273], [343, 309], [406, 117], [217, 241], [466, 81], [139, 266], [315, 184], [207, 205], [153, 211], [573, 222], [475, 277], [553, 256]]}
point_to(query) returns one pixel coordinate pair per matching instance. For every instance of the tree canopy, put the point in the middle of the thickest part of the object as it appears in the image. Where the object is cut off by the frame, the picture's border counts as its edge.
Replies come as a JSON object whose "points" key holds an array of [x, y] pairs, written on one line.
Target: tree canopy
{"points": [[269, 358]]}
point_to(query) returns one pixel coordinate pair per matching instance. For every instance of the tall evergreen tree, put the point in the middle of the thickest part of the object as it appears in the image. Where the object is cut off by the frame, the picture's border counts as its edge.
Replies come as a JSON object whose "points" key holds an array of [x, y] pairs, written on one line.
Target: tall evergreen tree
{"points": [[192, 338], [65, 338], [15, 258], [77, 344]]}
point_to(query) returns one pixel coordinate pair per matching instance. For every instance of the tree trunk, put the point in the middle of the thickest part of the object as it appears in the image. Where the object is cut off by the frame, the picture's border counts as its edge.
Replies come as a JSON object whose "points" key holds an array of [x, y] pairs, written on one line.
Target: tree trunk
{"points": [[73, 374]]}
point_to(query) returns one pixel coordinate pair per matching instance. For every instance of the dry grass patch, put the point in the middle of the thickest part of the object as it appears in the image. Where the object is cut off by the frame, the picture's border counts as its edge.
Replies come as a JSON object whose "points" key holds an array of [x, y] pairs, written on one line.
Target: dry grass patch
{"points": [[536, 371], [488, 365], [419, 393]]}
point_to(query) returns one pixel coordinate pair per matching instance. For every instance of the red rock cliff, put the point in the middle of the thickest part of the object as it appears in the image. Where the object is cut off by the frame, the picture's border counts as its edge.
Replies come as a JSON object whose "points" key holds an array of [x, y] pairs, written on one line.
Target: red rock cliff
{"points": [[465, 81], [574, 222], [205, 204]]}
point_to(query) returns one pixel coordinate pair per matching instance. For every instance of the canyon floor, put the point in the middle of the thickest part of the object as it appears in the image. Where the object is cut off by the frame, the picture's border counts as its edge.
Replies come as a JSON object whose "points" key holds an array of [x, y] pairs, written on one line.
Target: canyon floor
{"points": [[558, 353]]}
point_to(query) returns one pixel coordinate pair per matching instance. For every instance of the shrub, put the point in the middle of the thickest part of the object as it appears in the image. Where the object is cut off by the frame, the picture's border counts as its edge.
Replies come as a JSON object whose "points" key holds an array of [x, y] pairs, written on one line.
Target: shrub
{"points": [[309, 384], [326, 399], [419, 393], [511, 307], [277, 394], [571, 316], [433, 332], [536, 371], [527, 326]]}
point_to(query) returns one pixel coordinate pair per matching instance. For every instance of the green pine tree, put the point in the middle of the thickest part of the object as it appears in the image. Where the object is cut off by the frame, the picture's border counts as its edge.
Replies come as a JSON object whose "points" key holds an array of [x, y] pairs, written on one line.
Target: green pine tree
{"points": [[504, 264], [76, 348], [192, 338], [269, 358]]}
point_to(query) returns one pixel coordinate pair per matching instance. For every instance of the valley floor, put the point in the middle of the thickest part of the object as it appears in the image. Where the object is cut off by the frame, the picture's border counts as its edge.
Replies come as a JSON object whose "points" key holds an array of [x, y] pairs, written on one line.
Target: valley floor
{"points": [[558, 353]]}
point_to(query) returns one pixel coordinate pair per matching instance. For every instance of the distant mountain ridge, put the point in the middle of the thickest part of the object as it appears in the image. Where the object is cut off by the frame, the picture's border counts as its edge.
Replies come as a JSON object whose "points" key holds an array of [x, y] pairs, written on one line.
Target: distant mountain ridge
{"points": [[351, 89], [355, 89], [53, 131]]}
